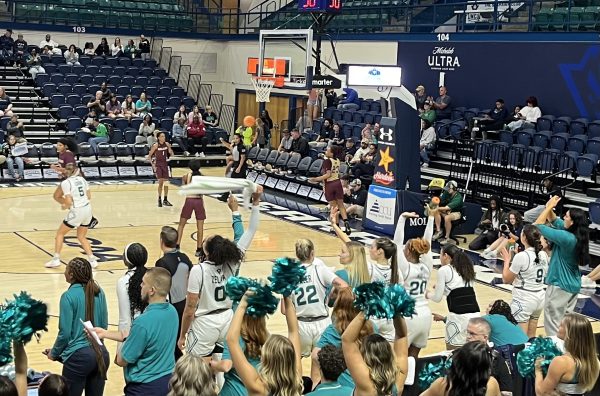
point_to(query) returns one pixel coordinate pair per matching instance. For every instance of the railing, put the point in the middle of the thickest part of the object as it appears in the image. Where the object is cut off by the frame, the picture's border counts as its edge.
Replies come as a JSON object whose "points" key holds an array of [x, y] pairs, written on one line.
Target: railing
{"points": [[205, 91]]}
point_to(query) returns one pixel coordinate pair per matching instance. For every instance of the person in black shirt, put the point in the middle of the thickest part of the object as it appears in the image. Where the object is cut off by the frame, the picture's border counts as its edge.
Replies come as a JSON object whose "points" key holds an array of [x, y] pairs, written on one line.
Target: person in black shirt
{"points": [[358, 199], [336, 136], [492, 121], [239, 165], [179, 265], [210, 118], [331, 98], [103, 49], [299, 143], [7, 44], [349, 149], [20, 50], [144, 47], [323, 136]]}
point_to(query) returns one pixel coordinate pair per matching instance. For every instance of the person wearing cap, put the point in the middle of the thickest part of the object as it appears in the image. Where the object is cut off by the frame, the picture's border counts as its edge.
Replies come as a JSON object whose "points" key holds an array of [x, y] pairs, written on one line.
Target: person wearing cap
{"points": [[420, 97], [362, 150], [6, 47], [450, 209], [428, 113], [358, 199], [286, 142], [20, 50], [427, 142]]}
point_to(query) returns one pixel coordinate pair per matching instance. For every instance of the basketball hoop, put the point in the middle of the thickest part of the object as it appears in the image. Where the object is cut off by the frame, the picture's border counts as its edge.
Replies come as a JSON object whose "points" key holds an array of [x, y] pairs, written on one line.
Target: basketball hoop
{"points": [[263, 86]]}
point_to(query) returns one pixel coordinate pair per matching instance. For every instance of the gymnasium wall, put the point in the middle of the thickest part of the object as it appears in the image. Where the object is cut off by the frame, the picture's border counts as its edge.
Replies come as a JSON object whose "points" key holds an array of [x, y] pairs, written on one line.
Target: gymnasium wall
{"points": [[564, 76]]}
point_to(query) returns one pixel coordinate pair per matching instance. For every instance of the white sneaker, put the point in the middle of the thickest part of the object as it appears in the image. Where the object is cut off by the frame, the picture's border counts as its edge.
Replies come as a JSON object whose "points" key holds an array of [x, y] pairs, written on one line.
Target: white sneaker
{"points": [[55, 262], [94, 263], [202, 155], [197, 155], [587, 283], [437, 235], [425, 165], [186, 153], [490, 255]]}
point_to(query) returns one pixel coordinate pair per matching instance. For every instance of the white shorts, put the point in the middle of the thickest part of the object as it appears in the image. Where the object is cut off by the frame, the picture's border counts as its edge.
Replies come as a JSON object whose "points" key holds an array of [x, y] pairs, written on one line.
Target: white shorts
{"points": [[310, 332], [527, 305], [419, 327], [456, 327], [207, 331], [79, 217], [385, 328]]}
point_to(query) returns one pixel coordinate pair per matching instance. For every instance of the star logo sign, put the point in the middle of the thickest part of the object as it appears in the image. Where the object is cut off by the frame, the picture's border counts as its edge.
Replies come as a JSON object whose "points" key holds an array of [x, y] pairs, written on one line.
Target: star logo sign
{"points": [[386, 159]]}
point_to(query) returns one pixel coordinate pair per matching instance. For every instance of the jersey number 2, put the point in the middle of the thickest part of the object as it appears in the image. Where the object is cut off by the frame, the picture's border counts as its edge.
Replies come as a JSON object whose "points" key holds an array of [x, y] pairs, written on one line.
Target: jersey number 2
{"points": [[220, 293], [311, 296]]}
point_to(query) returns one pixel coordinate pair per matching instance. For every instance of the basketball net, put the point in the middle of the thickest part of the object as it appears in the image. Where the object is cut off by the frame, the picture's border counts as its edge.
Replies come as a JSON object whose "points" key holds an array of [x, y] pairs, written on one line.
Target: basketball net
{"points": [[263, 87]]}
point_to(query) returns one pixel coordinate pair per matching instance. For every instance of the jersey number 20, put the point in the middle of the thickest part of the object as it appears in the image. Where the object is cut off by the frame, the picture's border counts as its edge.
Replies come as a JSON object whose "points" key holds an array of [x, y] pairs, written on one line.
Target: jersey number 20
{"points": [[311, 295], [417, 288]]}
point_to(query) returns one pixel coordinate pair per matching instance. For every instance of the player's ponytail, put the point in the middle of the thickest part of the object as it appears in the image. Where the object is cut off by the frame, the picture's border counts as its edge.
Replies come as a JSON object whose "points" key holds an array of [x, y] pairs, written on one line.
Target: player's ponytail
{"points": [[533, 237], [135, 257], [390, 253]]}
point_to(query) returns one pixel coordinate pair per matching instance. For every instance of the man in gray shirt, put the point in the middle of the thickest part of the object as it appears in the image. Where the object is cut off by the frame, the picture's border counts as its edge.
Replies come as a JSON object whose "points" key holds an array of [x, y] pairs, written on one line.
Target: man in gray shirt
{"points": [[179, 265]]}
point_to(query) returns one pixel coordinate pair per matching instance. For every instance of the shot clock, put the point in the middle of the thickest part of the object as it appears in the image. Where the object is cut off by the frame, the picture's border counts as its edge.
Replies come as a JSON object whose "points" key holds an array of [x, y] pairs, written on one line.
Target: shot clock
{"points": [[328, 6]]}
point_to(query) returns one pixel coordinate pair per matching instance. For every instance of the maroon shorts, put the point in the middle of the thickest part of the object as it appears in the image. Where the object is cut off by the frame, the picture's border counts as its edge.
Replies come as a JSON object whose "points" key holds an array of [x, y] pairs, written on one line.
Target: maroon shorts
{"points": [[162, 171], [334, 191], [195, 205]]}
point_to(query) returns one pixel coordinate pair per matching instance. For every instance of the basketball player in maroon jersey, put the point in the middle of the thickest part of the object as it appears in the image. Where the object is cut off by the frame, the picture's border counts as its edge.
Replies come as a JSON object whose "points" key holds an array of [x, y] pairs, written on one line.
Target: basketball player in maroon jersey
{"points": [[158, 155]]}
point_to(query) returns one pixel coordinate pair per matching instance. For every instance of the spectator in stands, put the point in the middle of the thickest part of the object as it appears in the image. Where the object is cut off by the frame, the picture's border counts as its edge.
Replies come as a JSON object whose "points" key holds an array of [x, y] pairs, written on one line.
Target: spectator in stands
{"points": [[71, 55], [515, 114], [504, 327], [103, 49], [493, 121], [148, 350], [360, 152], [323, 135], [35, 64], [259, 138], [442, 105], [106, 92], [336, 136], [15, 128], [427, 142], [351, 101], [7, 45], [97, 104], [527, 116], [128, 106], [195, 113], [46, 51], [12, 159], [375, 134], [479, 329], [531, 215], [349, 149], [509, 232], [5, 104], [211, 119], [20, 50], [179, 135], [146, 131], [99, 133], [428, 113], [304, 123], [130, 51], [366, 166], [286, 142], [179, 265], [358, 199], [450, 209], [489, 226], [143, 106], [51, 44], [331, 99], [420, 97], [181, 113], [117, 48], [113, 107], [89, 49], [144, 47], [332, 365], [197, 135], [299, 143]]}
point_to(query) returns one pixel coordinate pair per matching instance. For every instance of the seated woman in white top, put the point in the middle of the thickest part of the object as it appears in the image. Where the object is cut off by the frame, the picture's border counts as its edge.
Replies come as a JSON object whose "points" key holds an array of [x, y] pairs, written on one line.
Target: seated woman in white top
{"points": [[527, 116], [116, 49]]}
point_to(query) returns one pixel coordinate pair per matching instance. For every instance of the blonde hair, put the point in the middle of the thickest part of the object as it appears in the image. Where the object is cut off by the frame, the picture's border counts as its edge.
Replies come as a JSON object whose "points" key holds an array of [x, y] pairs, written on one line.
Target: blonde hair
{"points": [[192, 377], [379, 357], [304, 249], [278, 369], [581, 344], [254, 333], [358, 272]]}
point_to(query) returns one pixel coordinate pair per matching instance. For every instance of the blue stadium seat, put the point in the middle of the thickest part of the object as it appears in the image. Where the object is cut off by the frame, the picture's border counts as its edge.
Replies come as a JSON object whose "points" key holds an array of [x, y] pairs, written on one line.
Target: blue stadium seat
{"points": [[161, 101], [116, 137], [137, 90], [156, 112], [86, 79], [128, 80], [65, 89], [164, 91], [71, 78], [73, 124], [174, 101], [135, 123], [57, 59], [166, 123], [85, 60], [114, 80], [457, 128], [82, 137], [64, 69], [48, 89], [593, 146], [170, 112], [80, 111], [530, 157], [586, 165], [566, 160], [65, 111], [561, 124], [92, 69], [98, 61], [594, 211], [579, 126], [79, 89], [41, 79], [130, 135], [497, 152], [524, 137], [73, 100], [559, 141], [57, 78], [78, 69], [577, 143], [544, 123], [337, 115], [57, 99], [506, 136], [124, 61], [121, 123], [470, 113], [442, 128], [515, 154], [147, 71], [480, 150], [542, 139], [155, 80], [458, 113], [111, 61], [189, 102], [99, 79], [178, 91], [593, 129]]}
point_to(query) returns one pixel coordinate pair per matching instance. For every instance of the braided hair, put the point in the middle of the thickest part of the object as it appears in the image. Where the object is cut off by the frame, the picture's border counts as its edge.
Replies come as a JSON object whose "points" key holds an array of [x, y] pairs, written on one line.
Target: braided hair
{"points": [[533, 236], [135, 258], [501, 307], [80, 271]]}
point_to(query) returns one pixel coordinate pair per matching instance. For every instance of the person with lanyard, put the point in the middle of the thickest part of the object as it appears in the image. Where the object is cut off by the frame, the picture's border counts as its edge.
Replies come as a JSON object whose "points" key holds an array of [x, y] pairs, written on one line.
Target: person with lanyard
{"points": [[334, 192], [570, 238], [195, 204], [158, 156], [238, 153]]}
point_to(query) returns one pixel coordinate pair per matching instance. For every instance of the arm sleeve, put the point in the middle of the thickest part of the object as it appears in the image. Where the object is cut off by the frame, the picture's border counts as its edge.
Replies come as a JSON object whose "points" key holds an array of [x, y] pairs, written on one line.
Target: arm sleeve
{"points": [[124, 304], [65, 319], [134, 345], [246, 239], [237, 225], [441, 284], [399, 241]]}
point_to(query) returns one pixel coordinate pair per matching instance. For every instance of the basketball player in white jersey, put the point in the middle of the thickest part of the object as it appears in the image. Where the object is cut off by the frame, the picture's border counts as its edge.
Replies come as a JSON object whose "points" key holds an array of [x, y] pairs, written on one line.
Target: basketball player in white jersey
{"points": [[74, 195], [310, 296], [527, 273], [208, 311], [415, 265]]}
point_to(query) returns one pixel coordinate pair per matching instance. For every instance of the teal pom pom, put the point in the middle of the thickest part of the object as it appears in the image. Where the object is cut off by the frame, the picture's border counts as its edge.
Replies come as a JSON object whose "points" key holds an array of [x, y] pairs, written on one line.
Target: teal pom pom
{"points": [[377, 300], [24, 316], [287, 274], [5, 347], [540, 347], [432, 372], [261, 303]]}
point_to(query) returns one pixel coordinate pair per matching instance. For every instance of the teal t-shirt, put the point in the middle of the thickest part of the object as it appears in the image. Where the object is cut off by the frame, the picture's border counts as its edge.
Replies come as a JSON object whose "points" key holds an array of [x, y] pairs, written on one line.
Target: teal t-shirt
{"points": [[332, 389], [330, 337], [149, 350], [563, 269], [71, 336], [505, 332], [233, 385]]}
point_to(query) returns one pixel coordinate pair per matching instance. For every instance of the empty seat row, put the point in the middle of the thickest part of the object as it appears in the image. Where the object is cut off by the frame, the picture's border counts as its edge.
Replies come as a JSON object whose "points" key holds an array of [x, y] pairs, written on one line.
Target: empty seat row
{"points": [[93, 70], [84, 60], [79, 89], [558, 141]]}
